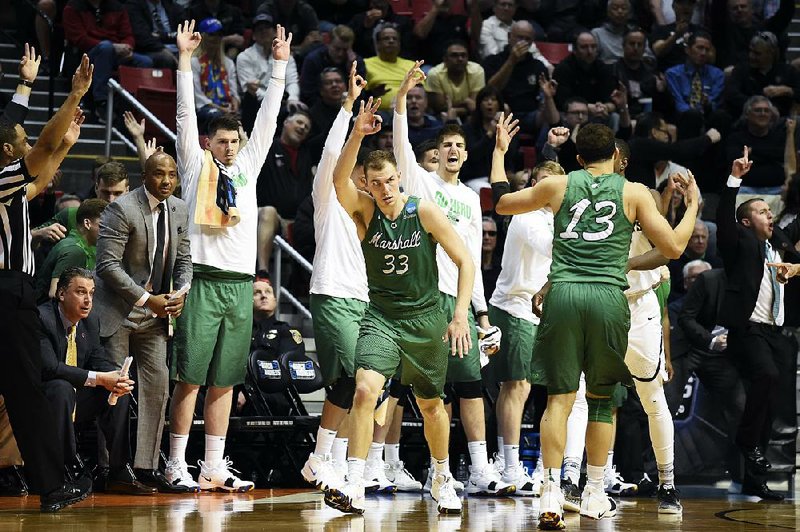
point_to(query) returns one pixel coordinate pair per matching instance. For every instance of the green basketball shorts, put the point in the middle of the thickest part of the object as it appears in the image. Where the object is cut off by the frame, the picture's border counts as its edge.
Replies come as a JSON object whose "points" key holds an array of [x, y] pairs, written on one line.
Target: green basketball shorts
{"points": [[336, 324], [467, 369], [513, 361]]}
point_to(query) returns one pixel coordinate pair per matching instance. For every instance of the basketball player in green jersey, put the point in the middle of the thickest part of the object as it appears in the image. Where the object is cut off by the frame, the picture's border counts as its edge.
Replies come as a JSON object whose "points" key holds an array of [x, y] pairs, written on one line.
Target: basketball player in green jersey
{"points": [[403, 325], [585, 318]]}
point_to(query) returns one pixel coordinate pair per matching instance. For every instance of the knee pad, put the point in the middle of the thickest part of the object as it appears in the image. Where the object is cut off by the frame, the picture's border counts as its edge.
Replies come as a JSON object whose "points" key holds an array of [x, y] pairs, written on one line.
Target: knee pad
{"points": [[342, 392], [468, 390], [400, 392], [599, 409]]}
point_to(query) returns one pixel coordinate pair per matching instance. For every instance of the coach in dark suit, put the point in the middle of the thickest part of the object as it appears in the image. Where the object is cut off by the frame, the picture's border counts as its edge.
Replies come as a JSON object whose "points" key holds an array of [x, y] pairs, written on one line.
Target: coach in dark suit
{"points": [[78, 375], [142, 259], [753, 311]]}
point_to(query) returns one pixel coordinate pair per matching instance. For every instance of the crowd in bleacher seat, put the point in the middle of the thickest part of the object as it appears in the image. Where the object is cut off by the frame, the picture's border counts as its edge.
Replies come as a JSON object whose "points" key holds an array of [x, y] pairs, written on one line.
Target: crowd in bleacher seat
{"points": [[687, 83]]}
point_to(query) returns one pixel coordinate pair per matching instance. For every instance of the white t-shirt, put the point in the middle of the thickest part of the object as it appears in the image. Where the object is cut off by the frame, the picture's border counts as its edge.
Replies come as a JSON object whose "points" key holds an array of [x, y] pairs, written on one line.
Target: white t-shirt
{"points": [[458, 202], [226, 248], [526, 263], [339, 269]]}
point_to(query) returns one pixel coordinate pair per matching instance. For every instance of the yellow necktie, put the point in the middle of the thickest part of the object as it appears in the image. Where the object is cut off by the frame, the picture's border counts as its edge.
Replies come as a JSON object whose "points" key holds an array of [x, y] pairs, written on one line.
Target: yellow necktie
{"points": [[697, 98], [72, 354]]}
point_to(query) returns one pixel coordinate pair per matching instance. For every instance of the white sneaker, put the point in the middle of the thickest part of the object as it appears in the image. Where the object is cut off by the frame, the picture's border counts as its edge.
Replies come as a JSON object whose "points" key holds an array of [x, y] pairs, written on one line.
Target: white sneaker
{"points": [[551, 508], [218, 477], [596, 504], [614, 484], [397, 474], [177, 473], [486, 481], [340, 468], [375, 473], [320, 473], [444, 493], [518, 476], [457, 484], [348, 499], [499, 463]]}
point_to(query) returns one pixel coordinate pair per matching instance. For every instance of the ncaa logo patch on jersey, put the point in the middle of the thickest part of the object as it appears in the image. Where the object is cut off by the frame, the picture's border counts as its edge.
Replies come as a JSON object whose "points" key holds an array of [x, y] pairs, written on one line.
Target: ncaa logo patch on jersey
{"points": [[411, 209], [296, 336]]}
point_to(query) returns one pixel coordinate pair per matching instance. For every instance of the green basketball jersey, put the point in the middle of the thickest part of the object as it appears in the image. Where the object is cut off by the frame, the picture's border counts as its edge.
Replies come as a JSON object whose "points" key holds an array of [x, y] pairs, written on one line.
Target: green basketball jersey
{"points": [[592, 235], [401, 263]]}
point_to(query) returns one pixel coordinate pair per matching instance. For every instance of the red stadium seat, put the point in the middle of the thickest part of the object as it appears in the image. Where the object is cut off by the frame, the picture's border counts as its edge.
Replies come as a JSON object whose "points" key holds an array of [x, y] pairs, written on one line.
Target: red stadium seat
{"points": [[555, 52], [162, 103], [487, 202], [133, 79], [402, 7]]}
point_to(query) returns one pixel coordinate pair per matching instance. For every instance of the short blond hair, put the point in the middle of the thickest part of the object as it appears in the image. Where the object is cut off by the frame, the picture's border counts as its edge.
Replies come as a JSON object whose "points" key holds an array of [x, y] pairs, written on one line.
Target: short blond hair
{"points": [[377, 159]]}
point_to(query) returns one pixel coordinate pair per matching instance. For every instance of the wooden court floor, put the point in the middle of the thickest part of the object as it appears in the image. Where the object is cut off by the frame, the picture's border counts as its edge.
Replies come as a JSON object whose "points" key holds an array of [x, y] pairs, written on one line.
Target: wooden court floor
{"points": [[295, 510]]}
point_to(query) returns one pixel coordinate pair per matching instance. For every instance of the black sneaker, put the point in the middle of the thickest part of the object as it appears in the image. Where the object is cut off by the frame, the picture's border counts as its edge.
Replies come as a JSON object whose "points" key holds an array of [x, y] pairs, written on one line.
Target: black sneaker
{"points": [[12, 482], [69, 493], [572, 495], [647, 488], [668, 500]]}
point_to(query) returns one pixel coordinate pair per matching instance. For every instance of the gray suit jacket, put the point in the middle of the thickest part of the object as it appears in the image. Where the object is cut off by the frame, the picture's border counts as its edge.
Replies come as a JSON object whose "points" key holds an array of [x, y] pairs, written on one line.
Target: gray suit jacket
{"points": [[124, 249]]}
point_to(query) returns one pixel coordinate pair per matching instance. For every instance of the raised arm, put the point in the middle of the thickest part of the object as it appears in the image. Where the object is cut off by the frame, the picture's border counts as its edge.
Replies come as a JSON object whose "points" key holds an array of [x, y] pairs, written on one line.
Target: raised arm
{"points": [[44, 178], [189, 153], [670, 242], [727, 228], [410, 171], [17, 108]]}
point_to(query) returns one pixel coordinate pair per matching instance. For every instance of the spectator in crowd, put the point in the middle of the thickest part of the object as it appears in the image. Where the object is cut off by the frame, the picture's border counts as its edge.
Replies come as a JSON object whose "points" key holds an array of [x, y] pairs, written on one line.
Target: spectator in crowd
{"points": [[669, 40], [564, 20], [764, 74], [609, 36], [490, 259], [439, 27], [284, 182], [771, 140], [697, 249], [583, 74], [76, 250], [753, 311], [515, 72], [102, 29], [455, 81], [153, 23], [560, 143], [691, 271], [496, 28], [386, 70], [67, 201], [479, 133], [78, 374], [421, 125], [696, 85], [426, 153], [642, 82], [791, 208], [254, 69], [136, 295], [791, 201], [331, 90], [299, 19], [229, 17], [332, 13], [216, 87], [735, 26], [53, 9], [337, 54], [378, 12]]}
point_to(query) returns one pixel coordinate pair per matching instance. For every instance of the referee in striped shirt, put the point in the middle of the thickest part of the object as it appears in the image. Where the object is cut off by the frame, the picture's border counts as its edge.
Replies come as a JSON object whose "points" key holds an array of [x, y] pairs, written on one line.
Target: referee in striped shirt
{"points": [[26, 171]]}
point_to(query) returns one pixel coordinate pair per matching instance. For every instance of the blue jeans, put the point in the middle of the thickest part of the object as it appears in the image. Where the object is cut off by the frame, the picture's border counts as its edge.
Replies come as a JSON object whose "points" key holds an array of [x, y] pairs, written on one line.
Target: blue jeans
{"points": [[105, 62]]}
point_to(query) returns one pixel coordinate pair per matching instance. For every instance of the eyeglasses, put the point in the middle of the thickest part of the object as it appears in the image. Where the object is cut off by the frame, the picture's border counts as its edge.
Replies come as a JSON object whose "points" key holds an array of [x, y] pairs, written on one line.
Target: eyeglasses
{"points": [[490, 233]]}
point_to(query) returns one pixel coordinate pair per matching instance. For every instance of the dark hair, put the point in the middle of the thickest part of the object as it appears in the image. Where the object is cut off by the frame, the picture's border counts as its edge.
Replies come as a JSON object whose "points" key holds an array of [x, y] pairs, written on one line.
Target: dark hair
{"points": [[580, 34], [8, 131], [98, 162], [574, 99], [71, 273], [377, 159], [90, 209], [595, 142], [112, 172], [422, 147], [488, 91], [458, 42], [698, 34], [450, 129], [332, 70], [362, 155], [624, 149], [743, 210], [225, 122], [301, 112], [646, 123], [631, 30]]}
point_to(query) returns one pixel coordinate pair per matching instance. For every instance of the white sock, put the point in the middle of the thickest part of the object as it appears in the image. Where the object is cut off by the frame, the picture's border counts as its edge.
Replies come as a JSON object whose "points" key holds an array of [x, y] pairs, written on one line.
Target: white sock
{"points": [[392, 451], [355, 469], [572, 470], [511, 453], [339, 450], [477, 454], [375, 452], [553, 476], [501, 448], [441, 466], [594, 476], [540, 463], [177, 447], [325, 439], [666, 475], [610, 460], [215, 449]]}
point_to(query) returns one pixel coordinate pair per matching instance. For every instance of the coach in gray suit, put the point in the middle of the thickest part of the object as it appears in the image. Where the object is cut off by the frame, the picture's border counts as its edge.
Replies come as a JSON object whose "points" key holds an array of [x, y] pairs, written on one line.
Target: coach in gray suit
{"points": [[142, 259]]}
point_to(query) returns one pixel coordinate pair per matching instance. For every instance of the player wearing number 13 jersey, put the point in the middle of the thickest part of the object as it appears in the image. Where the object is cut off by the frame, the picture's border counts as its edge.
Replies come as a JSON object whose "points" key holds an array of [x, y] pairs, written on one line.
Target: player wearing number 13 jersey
{"points": [[585, 317]]}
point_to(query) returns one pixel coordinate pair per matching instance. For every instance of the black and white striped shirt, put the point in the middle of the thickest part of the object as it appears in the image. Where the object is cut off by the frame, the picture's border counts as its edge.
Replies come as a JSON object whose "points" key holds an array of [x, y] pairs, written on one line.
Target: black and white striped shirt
{"points": [[15, 231]]}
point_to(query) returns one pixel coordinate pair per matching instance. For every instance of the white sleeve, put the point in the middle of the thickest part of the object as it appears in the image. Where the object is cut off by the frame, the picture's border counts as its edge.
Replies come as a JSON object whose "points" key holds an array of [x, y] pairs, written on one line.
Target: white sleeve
{"points": [[199, 96], [488, 46], [252, 156], [292, 80], [233, 81], [539, 236], [411, 174], [538, 55], [475, 244], [321, 190], [190, 155]]}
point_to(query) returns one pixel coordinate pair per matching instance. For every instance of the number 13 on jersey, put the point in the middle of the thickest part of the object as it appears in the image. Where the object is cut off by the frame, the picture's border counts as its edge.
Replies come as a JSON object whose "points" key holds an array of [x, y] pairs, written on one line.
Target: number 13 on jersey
{"points": [[577, 211]]}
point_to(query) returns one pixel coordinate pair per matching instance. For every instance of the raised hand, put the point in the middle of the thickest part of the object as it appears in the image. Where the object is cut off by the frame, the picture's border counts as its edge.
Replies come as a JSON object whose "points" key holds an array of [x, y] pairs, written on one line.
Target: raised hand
{"points": [[414, 77], [82, 79], [507, 127], [742, 165], [690, 190], [355, 83], [150, 147], [29, 64], [136, 129], [784, 270], [281, 44], [619, 97], [557, 136], [74, 130], [548, 87], [187, 39], [368, 122]]}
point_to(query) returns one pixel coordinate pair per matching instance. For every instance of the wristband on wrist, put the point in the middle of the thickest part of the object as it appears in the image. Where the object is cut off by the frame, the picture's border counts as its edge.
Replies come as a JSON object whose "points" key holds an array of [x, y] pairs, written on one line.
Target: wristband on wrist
{"points": [[25, 82], [481, 313]]}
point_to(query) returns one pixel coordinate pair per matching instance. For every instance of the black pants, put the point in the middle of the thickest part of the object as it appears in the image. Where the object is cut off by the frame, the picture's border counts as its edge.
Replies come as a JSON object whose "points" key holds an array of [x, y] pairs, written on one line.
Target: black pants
{"points": [[21, 383], [90, 404], [766, 358]]}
